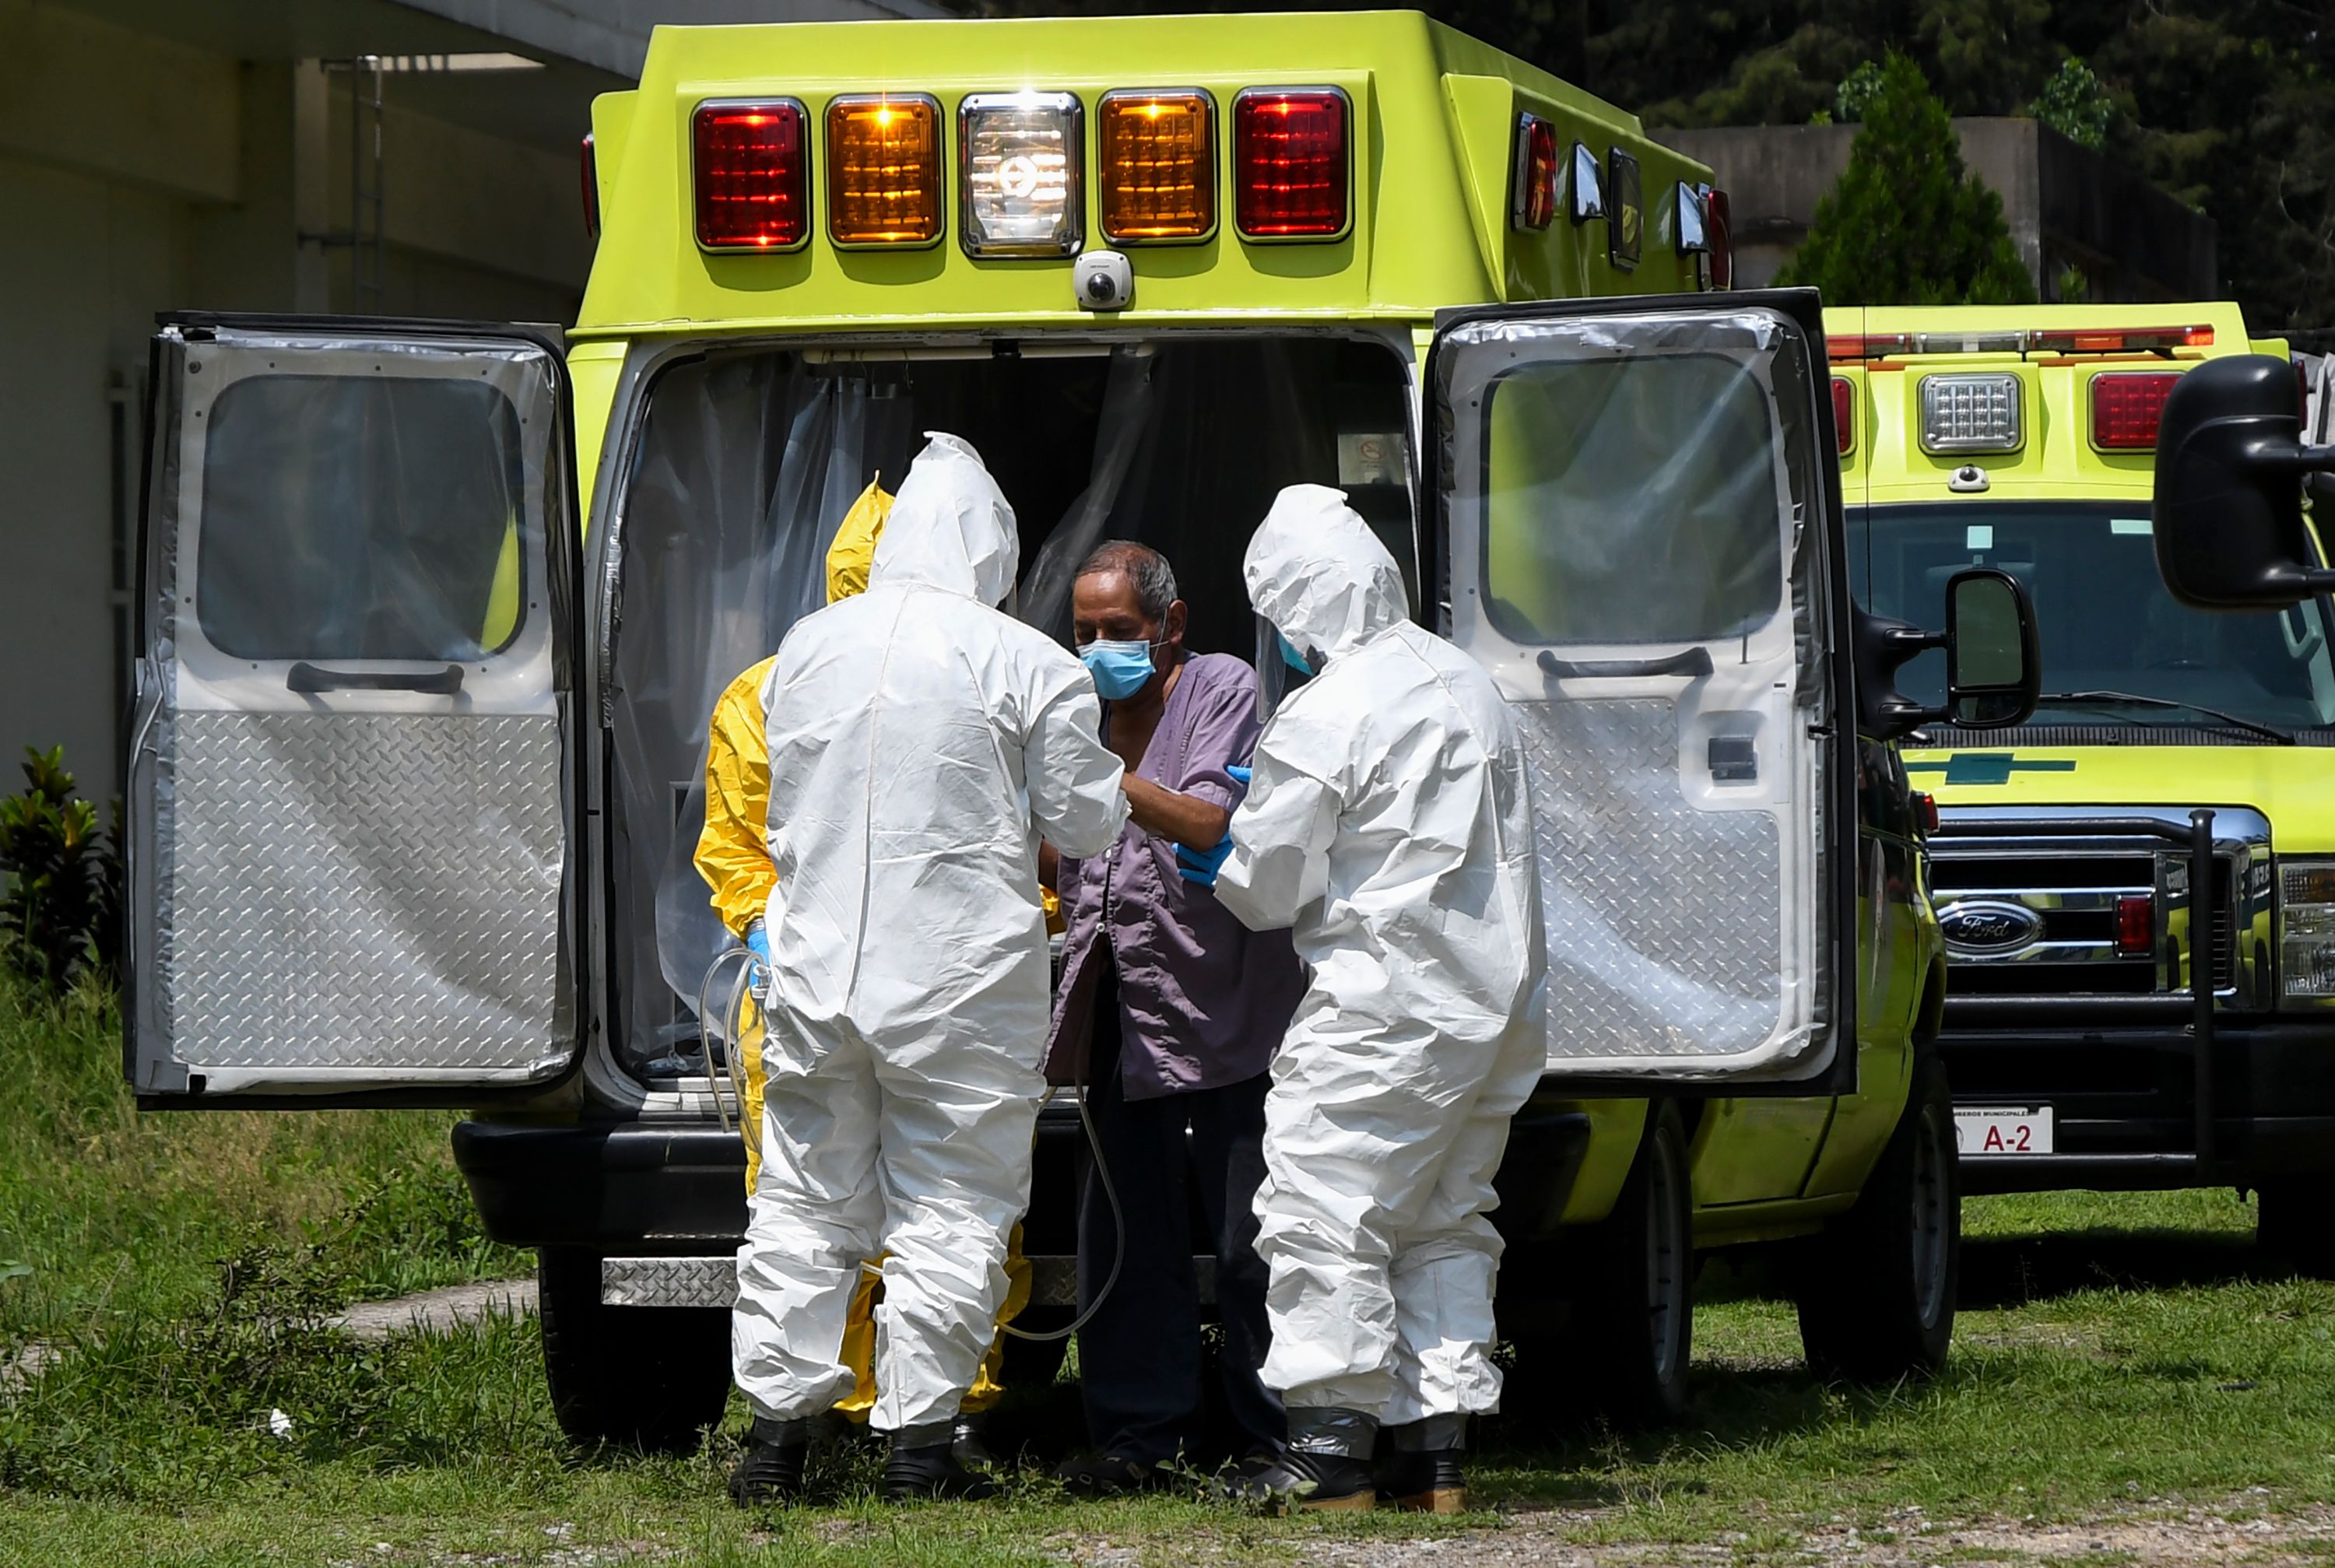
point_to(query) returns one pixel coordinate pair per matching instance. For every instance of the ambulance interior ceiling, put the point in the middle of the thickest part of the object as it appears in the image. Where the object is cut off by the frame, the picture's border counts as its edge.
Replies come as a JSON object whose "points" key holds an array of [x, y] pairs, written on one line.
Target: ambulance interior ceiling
{"points": [[749, 458]]}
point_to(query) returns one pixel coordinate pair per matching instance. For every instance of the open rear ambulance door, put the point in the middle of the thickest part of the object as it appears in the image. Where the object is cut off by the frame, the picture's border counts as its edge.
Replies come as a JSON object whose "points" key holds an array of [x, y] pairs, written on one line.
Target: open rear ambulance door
{"points": [[1638, 521], [353, 869]]}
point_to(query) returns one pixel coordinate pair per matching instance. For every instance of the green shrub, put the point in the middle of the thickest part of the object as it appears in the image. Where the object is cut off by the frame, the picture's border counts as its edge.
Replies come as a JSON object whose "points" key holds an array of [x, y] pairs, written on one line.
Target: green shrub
{"points": [[60, 911]]}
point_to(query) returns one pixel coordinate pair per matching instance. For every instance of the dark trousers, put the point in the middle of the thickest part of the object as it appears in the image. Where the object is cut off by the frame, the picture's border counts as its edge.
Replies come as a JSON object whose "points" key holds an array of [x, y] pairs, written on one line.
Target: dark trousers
{"points": [[1140, 1366]]}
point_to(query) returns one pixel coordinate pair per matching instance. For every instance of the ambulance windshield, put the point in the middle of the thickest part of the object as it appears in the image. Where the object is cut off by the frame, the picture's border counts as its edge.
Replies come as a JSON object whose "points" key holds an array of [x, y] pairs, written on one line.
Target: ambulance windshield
{"points": [[2120, 651]]}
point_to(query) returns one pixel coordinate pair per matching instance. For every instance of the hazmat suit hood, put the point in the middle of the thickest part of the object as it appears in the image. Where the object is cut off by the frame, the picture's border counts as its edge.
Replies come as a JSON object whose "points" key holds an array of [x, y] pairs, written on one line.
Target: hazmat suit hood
{"points": [[1316, 571], [950, 527]]}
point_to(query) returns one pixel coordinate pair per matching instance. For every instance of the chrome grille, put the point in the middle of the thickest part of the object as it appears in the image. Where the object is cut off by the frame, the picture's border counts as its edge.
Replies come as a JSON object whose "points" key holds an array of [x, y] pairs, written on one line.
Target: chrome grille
{"points": [[2027, 900]]}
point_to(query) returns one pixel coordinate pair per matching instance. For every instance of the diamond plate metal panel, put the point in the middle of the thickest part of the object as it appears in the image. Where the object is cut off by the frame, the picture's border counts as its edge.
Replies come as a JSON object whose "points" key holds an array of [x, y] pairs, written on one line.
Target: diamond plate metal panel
{"points": [[1665, 922], [365, 895], [669, 1282]]}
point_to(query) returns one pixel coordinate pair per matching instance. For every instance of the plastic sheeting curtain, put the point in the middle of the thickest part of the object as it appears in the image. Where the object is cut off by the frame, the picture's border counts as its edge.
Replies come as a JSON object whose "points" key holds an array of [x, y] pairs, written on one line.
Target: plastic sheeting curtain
{"points": [[748, 463], [746, 467]]}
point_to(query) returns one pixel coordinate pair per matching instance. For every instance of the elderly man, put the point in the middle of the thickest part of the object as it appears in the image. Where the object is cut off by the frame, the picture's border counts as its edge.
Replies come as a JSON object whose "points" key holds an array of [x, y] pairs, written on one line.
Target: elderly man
{"points": [[1170, 1008]]}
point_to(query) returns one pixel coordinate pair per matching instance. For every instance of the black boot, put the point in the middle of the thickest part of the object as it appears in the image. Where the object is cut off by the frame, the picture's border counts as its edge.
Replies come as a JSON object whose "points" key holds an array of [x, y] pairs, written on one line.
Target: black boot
{"points": [[931, 1472], [1425, 1481], [1295, 1481], [772, 1469]]}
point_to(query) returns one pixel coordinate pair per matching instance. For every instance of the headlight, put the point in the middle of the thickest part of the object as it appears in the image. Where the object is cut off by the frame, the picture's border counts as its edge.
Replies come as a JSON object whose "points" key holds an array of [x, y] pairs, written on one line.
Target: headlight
{"points": [[2306, 927]]}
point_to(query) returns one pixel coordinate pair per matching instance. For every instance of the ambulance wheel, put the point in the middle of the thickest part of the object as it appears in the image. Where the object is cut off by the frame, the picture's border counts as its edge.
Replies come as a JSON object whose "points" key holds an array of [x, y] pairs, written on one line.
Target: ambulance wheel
{"points": [[1636, 1311], [1877, 1287], [2295, 1227], [647, 1378]]}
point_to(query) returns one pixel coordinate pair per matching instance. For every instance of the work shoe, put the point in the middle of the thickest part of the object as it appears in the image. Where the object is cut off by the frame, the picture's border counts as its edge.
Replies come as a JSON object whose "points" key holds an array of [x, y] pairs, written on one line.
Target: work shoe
{"points": [[1297, 1482], [970, 1450], [1110, 1476], [1425, 1481], [772, 1469], [918, 1475]]}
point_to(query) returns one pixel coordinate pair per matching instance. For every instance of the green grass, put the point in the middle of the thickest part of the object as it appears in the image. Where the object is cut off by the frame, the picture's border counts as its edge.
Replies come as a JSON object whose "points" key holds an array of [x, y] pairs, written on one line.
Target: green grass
{"points": [[2114, 1354], [106, 1212]]}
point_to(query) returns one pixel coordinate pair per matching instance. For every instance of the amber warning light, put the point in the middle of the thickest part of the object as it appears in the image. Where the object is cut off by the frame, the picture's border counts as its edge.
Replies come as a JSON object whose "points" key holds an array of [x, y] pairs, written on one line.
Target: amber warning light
{"points": [[752, 163], [883, 170], [1155, 155]]}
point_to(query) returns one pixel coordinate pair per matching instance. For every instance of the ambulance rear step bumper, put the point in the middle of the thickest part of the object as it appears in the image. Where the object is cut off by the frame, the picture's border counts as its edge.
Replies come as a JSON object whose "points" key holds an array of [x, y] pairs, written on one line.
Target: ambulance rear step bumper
{"points": [[712, 1281]]}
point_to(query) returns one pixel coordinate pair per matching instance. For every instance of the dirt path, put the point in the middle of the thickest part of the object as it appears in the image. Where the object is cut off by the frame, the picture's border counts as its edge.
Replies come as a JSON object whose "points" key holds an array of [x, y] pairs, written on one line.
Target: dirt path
{"points": [[2236, 1531], [439, 1312]]}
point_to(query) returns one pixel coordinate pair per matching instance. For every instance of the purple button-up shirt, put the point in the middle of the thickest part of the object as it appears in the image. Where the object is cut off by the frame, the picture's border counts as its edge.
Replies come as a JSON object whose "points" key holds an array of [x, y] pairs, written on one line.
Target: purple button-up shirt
{"points": [[1203, 1001]]}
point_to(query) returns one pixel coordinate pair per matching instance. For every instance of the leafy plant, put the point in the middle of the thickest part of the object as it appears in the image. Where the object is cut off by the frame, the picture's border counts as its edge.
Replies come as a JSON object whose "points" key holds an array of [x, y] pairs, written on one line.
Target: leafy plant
{"points": [[61, 910], [1907, 224], [1857, 90], [2075, 104]]}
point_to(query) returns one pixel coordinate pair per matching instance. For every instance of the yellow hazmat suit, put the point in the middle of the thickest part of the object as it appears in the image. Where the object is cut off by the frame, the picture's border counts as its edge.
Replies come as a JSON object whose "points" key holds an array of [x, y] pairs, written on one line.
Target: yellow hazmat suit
{"points": [[733, 856]]}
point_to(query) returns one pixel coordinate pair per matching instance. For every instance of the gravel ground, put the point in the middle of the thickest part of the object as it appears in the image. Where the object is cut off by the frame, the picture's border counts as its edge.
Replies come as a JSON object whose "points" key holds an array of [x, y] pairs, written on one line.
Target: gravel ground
{"points": [[2237, 1531]]}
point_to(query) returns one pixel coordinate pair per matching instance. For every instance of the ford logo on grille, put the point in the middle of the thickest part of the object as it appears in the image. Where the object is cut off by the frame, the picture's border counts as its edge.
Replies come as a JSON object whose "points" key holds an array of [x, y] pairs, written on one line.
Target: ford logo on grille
{"points": [[1989, 925]]}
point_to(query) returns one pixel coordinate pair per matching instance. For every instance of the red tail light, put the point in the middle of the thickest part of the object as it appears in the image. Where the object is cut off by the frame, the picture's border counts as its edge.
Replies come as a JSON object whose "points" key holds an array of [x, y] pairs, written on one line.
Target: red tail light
{"points": [[591, 192], [2136, 925], [1722, 239], [1926, 811], [1534, 204], [752, 166], [2126, 406], [1290, 163], [1844, 413]]}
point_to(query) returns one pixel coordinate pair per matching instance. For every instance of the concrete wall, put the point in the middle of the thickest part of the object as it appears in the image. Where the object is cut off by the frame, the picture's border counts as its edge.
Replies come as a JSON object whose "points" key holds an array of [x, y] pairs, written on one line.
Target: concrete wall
{"points": [[2065, 204], [138, 175]]}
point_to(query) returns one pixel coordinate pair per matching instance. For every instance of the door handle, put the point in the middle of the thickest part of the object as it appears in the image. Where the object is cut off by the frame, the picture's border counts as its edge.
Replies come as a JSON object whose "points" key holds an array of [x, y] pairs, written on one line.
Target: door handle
{"points": [[308, 679], [1691, 662]]}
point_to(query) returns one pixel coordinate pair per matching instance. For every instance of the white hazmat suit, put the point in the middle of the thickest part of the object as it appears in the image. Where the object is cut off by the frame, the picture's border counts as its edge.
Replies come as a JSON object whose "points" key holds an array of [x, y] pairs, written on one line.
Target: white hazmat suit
{"points": [[921, 741], [1389, 824]]}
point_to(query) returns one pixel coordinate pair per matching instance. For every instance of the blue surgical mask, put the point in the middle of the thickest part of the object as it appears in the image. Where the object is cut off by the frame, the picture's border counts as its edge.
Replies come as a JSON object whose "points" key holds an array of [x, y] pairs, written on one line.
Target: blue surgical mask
{"points": [[1118, 668], [1293, 658]]}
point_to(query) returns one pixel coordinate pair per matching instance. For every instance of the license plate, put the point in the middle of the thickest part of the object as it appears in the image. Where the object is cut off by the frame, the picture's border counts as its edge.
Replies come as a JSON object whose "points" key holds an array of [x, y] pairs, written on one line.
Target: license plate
{"points": [[2003, 1130]]}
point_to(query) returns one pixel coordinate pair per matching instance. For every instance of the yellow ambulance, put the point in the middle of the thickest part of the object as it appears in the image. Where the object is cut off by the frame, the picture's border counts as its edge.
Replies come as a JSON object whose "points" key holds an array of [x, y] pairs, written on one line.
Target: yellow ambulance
{"points": [[437, 614], [2174, 752]]}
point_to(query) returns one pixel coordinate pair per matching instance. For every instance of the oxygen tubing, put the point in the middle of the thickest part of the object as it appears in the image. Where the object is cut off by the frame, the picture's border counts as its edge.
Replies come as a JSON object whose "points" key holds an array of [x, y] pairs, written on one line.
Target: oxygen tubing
{"points": [[732, 1028]]}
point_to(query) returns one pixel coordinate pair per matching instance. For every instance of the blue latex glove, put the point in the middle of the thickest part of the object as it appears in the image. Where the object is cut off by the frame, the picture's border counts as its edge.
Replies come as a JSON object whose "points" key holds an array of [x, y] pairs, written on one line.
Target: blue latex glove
{"points": [[1201, 866], [758, 943], [1241, 776]]}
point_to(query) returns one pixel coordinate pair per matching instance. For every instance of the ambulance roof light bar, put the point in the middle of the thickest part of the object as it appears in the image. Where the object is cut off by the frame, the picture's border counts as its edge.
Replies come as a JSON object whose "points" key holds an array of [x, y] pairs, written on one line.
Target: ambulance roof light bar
{"points": [[1851, 347]]}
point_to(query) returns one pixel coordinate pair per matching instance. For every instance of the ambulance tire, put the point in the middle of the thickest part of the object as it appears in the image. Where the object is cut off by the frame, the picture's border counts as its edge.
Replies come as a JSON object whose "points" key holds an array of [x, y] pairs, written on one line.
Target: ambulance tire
{"points": [[2294, 1227], [1634, 1313], [653, 1379], [1877, 1287]]}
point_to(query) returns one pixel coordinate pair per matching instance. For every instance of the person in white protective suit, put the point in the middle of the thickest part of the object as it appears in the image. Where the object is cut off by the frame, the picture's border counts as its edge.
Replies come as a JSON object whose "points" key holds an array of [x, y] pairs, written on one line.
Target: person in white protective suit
{"points": [[1389, 824], [920, 744]]}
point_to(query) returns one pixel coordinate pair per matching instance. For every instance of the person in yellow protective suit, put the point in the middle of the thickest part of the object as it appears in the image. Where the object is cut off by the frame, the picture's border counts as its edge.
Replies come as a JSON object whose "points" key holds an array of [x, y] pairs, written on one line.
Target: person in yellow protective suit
{"points": [[735, 861]]}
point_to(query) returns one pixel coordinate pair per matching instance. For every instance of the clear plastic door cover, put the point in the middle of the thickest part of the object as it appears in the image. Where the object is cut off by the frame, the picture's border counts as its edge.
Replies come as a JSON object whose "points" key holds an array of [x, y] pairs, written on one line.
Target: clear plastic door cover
{"points": [[1634, 528], [348, 857]]}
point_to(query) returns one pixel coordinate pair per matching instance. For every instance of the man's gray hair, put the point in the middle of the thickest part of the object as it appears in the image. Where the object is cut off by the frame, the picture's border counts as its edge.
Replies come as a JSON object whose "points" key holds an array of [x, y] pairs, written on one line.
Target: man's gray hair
{"points": [[1146, 568]]}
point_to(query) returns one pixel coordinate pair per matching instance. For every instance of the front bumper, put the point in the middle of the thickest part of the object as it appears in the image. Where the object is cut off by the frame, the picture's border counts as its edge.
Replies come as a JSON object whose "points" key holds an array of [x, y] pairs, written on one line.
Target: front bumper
{"points": [[2124, 1097]]}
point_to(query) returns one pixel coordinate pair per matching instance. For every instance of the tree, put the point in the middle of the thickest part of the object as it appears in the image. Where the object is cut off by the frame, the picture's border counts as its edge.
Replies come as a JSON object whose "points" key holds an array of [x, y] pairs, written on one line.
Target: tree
{"points": [[1907, 224], [2075, 104]]}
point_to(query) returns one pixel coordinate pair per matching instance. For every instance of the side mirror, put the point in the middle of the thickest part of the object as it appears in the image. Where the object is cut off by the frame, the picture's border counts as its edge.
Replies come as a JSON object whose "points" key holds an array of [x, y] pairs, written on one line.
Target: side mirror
{"points": [[1993, 669], [2228, 511]]}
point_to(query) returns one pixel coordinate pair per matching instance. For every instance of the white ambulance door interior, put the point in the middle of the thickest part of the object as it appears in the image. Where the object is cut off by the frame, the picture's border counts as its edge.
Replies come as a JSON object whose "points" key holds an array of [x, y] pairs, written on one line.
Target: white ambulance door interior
{"points": [[352, 875], [1640, 521]]}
